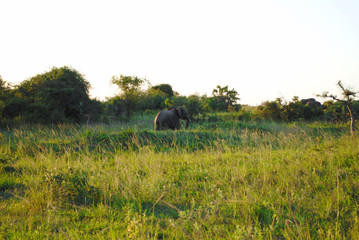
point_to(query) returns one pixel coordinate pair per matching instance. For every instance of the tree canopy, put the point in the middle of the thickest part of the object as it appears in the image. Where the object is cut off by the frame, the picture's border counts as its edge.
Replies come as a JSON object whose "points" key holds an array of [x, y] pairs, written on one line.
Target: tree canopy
{"points": [[348, 97], [130, 87], [55, 96], [165, 88], [224, 99]]}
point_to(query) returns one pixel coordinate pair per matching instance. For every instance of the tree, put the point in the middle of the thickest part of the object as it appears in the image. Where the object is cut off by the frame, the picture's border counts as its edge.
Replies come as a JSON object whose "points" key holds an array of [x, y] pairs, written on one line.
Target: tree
{"points": [[11, 105], [55, 96], [224, 99], [271, 110], [153, 99], [3, 84], [195, 106], [131, 91], [165, 88], [307, 109], [348, 96], [4, 89], [334, 112]]}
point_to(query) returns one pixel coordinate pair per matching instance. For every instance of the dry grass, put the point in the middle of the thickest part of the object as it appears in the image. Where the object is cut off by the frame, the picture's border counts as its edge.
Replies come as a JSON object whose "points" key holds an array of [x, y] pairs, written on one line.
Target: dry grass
{"points": [[247, 181]]}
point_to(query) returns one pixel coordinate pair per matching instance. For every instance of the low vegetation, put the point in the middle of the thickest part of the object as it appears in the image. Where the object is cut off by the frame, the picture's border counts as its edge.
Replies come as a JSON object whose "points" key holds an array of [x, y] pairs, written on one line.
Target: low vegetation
{"points": [[224, 178], [74, 167]]}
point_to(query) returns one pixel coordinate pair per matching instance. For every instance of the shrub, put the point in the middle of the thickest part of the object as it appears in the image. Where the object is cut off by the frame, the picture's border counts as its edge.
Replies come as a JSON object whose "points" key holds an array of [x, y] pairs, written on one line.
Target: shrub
{"points": [[224, 99], [270, 110], [153, 99], [165, 89], [131, 92], [55, 96]]}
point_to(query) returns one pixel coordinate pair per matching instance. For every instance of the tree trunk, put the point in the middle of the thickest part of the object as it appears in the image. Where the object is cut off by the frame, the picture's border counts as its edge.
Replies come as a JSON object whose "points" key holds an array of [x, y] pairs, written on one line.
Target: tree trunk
{"points": [[351, 120]]}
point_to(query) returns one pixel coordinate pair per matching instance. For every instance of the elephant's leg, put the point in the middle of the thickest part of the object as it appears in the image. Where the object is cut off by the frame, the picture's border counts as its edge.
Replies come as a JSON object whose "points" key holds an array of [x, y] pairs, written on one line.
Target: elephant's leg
{"points": [[177, 126], [162, 126]]}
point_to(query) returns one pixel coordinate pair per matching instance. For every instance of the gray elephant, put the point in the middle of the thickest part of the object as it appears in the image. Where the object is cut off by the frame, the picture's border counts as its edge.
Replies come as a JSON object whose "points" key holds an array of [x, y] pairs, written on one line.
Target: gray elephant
{"points": [[170, 118], [311, 102]]}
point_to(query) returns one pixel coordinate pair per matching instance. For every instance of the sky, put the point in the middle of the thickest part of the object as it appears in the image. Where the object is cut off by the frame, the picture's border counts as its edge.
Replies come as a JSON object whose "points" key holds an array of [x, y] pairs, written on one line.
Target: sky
{"points": [[264, 49]]}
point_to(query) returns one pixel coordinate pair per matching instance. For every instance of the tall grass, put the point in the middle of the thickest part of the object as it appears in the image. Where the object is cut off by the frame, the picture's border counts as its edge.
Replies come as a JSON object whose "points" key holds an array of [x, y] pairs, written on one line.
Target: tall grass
{"points": [[218, 180]]}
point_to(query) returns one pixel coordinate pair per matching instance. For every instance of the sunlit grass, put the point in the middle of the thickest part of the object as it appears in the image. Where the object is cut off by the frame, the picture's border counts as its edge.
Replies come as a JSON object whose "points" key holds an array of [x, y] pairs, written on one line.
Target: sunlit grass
{"points": [[224, 179]]}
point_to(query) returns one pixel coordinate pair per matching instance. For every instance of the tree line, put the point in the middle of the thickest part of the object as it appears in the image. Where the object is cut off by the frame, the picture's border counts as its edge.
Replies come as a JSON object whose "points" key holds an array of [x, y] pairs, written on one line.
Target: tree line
{"points": [[61, 95]]}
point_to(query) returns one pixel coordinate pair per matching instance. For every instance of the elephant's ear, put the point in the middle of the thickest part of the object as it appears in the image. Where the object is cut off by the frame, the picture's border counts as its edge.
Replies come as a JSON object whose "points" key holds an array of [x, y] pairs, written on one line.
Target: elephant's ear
{"points": [[180, 111]]}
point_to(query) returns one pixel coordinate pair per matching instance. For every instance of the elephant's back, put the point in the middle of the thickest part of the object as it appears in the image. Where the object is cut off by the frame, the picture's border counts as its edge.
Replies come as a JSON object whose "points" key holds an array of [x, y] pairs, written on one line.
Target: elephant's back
{"points": [[160, 116]]}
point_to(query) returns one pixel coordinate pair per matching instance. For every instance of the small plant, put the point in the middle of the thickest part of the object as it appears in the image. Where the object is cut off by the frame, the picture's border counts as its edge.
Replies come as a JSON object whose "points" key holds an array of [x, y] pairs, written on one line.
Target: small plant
{"points": [[72, 186]]}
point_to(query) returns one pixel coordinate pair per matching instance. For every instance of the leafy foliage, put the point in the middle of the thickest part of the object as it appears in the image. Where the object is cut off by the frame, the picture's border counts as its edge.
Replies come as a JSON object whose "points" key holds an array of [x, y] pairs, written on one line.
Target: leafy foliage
{"points": [[59, 95], [348, 96], [131, 92], [271, 110], [289, 111], [224, 99], [3, 98], [165, 88], [153, 99]]}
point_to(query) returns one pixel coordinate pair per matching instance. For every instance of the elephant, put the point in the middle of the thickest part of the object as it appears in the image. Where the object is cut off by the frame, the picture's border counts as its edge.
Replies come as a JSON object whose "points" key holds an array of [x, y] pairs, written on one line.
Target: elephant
{"points": [[170, 118], [311, 102]]}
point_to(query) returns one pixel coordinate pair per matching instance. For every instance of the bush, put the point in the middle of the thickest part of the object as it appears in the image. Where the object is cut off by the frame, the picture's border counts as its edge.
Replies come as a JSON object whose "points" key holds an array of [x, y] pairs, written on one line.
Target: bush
{"points": [[270, 110], [165, 89], [196, 106], [131, 92], [55, 96], [288, 111], [224, 99], [153, 99]]}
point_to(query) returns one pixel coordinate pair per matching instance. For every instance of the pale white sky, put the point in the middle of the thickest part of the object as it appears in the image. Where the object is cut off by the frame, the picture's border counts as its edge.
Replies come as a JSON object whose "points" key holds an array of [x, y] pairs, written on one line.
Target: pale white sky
{"points": [[262, 48]]}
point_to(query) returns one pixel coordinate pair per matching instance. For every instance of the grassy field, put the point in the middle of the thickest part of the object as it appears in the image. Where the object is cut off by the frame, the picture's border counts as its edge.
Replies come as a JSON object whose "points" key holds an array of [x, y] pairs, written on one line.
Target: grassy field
{"points": [[223, 179]]}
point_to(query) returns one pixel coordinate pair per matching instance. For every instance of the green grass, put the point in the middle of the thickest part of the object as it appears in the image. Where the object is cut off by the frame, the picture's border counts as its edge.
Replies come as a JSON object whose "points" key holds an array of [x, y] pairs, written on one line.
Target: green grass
{"points": [[222, 179]]}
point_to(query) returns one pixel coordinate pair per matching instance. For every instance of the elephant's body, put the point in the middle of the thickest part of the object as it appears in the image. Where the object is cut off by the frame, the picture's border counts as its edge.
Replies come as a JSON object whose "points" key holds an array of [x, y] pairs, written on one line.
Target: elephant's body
{"points": [[170, 119], [311, 102]]}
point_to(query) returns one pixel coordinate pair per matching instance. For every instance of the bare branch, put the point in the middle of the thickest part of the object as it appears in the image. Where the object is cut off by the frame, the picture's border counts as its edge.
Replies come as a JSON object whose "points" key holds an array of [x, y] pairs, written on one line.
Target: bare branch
{"points": [[341, 85], [346, 91], [326, 95]]}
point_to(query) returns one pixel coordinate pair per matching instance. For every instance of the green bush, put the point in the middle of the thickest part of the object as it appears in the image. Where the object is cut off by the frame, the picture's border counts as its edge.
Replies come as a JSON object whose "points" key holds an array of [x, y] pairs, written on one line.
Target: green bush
{"points": [[337, 112], [288, 111], [224, 99], [153, 99], [55, 96], [270, 110]]}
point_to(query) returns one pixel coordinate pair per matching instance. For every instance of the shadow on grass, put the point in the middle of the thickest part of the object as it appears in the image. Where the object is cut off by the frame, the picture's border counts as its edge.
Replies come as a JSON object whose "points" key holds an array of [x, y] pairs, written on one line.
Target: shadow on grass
{"points": [[159, 209], [8, 186], [211, 135], [9, 177]]}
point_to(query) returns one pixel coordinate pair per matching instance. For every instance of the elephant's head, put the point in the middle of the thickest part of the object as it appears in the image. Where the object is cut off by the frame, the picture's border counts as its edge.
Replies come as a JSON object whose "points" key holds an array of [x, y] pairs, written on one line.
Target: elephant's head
{"points": [[182, 113]]}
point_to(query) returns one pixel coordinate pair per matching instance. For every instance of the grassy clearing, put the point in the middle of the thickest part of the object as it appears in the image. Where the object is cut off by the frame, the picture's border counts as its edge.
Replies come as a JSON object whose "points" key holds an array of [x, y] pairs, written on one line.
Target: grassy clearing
{"points": [[219, 180]]}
